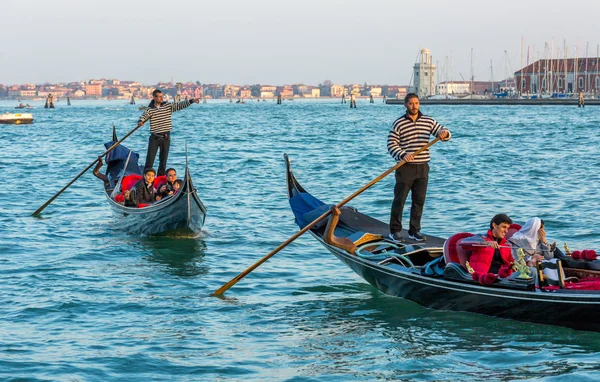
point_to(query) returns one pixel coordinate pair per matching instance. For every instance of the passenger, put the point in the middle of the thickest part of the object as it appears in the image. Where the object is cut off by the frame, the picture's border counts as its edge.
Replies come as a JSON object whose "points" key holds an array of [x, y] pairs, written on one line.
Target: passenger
{"points": [[532, 239], [144, 192], [489, 251], [100, 176], [168, 188]]}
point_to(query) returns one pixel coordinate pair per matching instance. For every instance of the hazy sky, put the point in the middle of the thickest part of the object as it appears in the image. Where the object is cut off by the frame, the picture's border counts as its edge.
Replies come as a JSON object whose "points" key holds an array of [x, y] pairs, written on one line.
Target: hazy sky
{"points": [[278, 42]]}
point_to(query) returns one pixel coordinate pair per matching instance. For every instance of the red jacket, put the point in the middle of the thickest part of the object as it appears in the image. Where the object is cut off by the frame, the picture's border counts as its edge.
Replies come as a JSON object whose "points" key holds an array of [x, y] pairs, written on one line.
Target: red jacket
{"points": [[482, 256]]}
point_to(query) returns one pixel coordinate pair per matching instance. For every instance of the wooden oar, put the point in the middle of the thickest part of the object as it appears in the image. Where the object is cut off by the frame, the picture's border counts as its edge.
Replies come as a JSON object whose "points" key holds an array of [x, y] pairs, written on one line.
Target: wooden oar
{"points": [[237, 278], [39, 210]]}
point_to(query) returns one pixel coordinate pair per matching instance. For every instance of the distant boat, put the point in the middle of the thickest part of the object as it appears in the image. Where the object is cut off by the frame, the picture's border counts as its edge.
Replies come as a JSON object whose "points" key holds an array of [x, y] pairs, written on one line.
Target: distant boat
{"points": [[26, 106], [16, 119], [142, 108]]}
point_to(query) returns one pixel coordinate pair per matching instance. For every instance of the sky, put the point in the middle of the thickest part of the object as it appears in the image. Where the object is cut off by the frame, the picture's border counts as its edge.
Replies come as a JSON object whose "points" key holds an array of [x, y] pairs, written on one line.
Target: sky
{"points": [[281, 42]]}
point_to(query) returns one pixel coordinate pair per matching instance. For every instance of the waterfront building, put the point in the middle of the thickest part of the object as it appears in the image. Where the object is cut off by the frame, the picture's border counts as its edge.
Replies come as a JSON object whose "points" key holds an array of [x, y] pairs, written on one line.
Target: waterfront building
{"points": [[424, 75], [93, 90], [571, 75], [338, 91]]}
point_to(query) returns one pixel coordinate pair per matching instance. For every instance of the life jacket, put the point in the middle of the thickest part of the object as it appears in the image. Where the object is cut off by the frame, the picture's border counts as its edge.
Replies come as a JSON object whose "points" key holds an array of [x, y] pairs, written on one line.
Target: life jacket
{"points": [[482, 256]]}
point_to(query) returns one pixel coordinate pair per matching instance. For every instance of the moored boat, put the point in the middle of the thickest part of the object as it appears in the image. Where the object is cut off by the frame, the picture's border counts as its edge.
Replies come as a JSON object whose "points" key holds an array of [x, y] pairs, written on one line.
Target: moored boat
{"points": [[16, 118], [180, 214], [429, 273]]}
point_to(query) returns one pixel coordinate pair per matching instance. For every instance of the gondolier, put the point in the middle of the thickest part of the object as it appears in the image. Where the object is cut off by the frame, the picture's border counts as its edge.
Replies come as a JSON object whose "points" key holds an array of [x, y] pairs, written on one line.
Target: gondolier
{"points": [[159, 113], [409, 133]]}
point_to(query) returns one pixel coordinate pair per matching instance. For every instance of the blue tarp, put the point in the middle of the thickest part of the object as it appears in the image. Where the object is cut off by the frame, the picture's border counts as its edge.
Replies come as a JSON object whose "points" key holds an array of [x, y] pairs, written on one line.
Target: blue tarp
{"points": [[307, 208]]}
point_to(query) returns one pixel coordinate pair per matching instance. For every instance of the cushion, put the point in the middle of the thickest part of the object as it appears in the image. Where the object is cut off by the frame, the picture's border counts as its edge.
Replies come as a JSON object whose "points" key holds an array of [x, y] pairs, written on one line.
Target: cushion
{"points": [[129, 181], [451, 248], [512, 229], [159, 181], [119, 198]]}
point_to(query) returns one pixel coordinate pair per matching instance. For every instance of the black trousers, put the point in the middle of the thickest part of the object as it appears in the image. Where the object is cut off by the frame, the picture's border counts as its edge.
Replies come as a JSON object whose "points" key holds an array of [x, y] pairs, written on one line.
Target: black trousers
{"points": [[162, 142], [413, 178]]}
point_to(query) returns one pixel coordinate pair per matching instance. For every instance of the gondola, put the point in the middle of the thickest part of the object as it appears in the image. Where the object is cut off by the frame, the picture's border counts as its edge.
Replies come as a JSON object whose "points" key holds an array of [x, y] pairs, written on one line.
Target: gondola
{"points": [[180, 214], [425, 273]]}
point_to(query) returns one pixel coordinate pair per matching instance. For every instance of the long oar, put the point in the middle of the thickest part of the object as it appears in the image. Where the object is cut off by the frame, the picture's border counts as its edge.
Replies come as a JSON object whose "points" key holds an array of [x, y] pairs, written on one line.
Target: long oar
{"points": [[237, 278], [39, 210]]}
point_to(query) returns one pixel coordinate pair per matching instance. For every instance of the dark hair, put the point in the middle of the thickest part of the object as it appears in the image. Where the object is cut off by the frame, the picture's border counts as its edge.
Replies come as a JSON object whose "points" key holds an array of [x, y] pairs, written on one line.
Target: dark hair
{"points": [[499, 219], [170, 169], [409, 96], [179, 182], [155, 92], [542, 226], [149, 170]]}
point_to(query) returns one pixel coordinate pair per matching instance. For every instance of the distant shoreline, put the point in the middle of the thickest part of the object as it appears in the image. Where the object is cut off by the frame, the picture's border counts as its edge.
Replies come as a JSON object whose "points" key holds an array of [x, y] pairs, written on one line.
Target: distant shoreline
{"points": [[542, 101]]}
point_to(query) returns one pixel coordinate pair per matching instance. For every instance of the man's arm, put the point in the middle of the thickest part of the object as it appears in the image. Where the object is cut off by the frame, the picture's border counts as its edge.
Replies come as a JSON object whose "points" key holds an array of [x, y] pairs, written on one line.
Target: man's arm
{"points": [[176, 106], [144, 117], [393, 143], [440, 131]]}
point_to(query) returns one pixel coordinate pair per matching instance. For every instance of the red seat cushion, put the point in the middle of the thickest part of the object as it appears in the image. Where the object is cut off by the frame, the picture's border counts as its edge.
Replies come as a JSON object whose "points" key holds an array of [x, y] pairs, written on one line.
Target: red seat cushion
{"points": [[119, 198], [129, 181], [159, 181], [452, 251], [142, 205], [512, 229]]}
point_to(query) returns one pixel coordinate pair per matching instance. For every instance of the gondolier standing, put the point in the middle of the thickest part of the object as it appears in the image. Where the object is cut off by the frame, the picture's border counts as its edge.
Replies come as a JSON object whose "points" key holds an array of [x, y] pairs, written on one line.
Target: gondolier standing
{"points": [[408, 134], [159, 113]]}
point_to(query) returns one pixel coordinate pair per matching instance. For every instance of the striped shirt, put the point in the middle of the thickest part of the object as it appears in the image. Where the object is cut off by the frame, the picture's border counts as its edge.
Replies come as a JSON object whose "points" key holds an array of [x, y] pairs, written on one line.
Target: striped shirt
{"points": [[406, 136], [160, 117]]}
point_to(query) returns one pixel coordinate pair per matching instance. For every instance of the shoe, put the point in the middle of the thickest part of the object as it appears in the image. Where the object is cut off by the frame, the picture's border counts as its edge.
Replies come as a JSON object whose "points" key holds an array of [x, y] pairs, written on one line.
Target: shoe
{"points": [[397, 237], [417, 236]]}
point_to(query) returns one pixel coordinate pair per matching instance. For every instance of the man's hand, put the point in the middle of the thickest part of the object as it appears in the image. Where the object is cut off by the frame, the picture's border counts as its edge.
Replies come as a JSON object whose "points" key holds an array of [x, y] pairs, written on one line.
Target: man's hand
{"points": [[444, 134], [408, 158], [158, 197], [196, 100], [493, 244], [140, 124]]}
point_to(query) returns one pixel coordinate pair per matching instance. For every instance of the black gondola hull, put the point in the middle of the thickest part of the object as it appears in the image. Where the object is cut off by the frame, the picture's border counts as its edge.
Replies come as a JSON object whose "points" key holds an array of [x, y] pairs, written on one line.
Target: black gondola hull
{"points": [[570, 308]]}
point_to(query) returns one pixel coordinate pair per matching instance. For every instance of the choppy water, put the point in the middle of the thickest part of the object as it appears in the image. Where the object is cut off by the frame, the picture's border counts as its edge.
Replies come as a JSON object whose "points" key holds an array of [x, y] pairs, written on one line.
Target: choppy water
{"points": [[82, 300]]}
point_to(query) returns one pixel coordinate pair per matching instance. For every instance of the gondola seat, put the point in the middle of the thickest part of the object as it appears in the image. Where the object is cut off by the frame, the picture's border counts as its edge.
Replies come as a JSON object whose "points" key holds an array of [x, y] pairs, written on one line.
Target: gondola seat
{"points": [[126, 184], [159, 181], [514, 228], [455, 253]]}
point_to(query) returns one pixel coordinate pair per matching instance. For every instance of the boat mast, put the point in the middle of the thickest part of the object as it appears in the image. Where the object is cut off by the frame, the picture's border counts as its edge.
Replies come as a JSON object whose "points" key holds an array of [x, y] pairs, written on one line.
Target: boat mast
{"points": [[587, 77], [472, 75], [551, 67], [597, 57], [492, 74], [566, 64], [521, 78]]}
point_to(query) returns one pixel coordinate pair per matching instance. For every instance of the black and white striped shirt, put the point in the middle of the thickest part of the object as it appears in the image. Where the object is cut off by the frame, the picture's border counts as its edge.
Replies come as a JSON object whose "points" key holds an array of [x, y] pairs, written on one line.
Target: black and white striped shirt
{"points": [[160, 117], [406, 136]]}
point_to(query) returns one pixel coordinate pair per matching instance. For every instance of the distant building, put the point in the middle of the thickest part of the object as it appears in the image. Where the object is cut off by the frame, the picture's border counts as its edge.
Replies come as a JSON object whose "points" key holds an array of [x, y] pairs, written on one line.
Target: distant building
{"points": [[453, 87], [338, 91], [93, 90], [245, 93], [560, 76], [424, 74]]}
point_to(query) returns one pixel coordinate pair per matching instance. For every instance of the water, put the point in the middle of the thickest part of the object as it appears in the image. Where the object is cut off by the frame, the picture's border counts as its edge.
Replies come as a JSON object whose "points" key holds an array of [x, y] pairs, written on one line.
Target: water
{"points": [[82, 300]]}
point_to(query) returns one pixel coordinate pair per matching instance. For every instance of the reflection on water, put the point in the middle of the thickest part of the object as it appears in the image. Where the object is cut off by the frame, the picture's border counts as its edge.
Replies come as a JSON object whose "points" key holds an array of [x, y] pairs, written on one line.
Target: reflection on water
{"points": [[181, 256]]}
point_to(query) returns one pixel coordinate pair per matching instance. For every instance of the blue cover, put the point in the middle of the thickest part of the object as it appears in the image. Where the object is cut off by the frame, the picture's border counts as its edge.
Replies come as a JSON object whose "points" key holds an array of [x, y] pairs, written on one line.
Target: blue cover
{"points": [[304, 206]]}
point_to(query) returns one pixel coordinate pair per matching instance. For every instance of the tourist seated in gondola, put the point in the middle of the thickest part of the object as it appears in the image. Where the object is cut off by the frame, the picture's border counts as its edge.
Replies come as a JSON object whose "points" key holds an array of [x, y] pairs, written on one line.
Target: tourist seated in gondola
{"points": [[490, 251], [532, 239], [143, 193], [172, 186]]}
